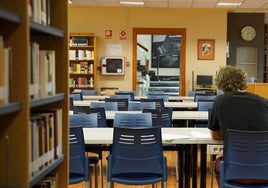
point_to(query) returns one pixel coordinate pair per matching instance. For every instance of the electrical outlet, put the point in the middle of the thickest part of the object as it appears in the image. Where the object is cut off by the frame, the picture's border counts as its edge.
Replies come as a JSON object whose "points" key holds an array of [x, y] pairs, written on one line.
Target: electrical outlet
{"points": [[214, 149]]}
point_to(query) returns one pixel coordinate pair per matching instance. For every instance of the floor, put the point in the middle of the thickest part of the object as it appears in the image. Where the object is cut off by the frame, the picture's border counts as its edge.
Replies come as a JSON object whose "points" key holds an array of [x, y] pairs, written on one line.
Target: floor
{"points": [[171, 183]]}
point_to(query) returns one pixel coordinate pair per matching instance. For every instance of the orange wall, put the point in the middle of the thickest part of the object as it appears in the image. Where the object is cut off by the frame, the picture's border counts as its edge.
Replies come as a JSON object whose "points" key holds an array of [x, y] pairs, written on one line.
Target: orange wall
{"points": [[199, 24]]}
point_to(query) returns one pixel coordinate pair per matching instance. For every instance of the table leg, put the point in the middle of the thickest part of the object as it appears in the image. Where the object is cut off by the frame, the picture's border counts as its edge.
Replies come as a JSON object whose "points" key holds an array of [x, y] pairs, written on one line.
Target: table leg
{"points": [[187, 168], [194, 166], [203, 166], [181, 166]]}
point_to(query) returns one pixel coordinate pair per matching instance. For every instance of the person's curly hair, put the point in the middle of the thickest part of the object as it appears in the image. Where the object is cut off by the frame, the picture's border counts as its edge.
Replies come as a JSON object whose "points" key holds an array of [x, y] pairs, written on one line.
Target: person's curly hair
{"points": [[231, 78]]}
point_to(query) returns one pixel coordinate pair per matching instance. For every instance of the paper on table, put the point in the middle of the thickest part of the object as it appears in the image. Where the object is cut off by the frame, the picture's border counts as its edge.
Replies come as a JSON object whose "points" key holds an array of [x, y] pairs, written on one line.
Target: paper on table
{"points": [[197, 134], [174, 136]]}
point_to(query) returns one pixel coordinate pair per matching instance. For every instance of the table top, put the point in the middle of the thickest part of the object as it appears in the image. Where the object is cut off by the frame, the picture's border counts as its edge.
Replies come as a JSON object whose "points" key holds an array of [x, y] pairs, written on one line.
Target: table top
{"points": [[176, 115], [174, 135], [167, 104]]}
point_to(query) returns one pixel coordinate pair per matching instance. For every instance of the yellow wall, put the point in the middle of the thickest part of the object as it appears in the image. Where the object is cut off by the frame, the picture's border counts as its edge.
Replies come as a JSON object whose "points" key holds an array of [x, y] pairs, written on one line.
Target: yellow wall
{"points": [[199, 24]]}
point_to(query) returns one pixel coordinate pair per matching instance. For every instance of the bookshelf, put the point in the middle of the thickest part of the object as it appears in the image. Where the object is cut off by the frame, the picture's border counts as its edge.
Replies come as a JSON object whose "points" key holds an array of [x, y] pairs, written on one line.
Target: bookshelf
{"points": [[19, 31], [82, 61]]}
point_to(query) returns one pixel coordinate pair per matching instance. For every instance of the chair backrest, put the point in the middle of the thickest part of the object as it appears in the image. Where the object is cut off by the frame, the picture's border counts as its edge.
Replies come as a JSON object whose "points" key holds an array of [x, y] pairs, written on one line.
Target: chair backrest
{"points": [[121, 96], [139, 106], [71, 105], [76, 96], [84, 120], [78, 162], [130, 93], [203, 105], [132, 120], [101, 116], [192, 93], [206, 96], [139, 154], [122, 103], [159, 102], [108, 106], [245, 156], [86, 92], [158, 96], [161, 117]]}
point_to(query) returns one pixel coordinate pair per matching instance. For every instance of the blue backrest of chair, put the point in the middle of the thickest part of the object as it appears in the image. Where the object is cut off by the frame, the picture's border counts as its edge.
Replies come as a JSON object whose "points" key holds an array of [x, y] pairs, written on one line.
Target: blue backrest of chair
{"points": [[78, 162], [132, 120], [84, 120], [141, 153], [203, 105], [206, 96], [161, 117], [158, 96], [159, 102], [138, 106], [86, 92], [122, 103], [109, 106], [119, 96], [76, 96], [101, 116], [245, 155], [130, 93]]}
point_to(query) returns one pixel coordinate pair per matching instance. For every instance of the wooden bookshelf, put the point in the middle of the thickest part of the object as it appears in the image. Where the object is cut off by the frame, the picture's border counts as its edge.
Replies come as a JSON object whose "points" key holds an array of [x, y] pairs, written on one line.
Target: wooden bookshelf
{"points": [[18, 31], [83, 61]]}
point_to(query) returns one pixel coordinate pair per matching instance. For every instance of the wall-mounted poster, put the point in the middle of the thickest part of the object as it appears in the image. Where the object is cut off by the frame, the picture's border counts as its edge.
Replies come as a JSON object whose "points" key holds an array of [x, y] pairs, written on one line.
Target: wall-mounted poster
{"points": [[166, 51], [206, 49]]}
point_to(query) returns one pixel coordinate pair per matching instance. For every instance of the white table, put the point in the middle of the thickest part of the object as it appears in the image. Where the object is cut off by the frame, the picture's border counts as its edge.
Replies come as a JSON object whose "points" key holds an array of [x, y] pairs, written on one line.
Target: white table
{"points": [[186, 137], [184, 105], [173, 98]]}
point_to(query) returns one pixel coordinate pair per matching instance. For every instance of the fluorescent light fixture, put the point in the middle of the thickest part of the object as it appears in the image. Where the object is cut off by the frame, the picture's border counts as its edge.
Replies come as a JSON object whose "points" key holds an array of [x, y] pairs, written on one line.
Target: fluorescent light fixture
{"points": [[228, 4], [140, 3]]}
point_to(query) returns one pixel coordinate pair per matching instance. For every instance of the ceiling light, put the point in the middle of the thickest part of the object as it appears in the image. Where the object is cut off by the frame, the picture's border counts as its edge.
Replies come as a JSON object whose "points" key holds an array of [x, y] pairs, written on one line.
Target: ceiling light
{"points": [[70, 2], [228, 4], [140, 3]]}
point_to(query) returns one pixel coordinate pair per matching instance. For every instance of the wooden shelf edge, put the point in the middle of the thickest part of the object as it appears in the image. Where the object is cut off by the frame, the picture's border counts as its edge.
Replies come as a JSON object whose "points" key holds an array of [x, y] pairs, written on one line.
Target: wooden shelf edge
{"points": [[46, 171], [9, 16], [46, 29], [47, 100], [10, 108]]}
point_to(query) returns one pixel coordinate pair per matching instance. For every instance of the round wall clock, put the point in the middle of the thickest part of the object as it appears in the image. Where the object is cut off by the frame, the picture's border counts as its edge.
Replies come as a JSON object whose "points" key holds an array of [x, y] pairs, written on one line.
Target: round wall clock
{"points": [[248, 33]]}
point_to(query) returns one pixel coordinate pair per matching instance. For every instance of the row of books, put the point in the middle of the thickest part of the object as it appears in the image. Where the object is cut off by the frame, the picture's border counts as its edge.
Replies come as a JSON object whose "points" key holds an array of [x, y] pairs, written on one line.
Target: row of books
{"points": [[81, 68], [82, 82], [50, 181], [42, 72], [81, 55], [45, 139], [79, 41], [39, 11], [5, 64]]}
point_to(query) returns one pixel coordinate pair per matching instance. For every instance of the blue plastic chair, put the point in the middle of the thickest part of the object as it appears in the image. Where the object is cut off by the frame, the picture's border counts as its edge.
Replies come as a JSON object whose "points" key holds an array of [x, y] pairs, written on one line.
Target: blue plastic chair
{"points": [[122, 103], [128, 93], [137, 157], [132, 120], [203, 105], [87, 120], [206, 96], [245, 157], [108, 106], [76, 96], [159, 102], [87, 92], [139, 106], [159, 96], [121, 96], [161, 117], [78, 161], [71, 105]]}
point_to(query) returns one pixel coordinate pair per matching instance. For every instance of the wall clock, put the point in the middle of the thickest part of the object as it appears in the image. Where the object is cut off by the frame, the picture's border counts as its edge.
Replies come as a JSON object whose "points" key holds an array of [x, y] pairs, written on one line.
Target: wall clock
{"points": [[248, 33]]}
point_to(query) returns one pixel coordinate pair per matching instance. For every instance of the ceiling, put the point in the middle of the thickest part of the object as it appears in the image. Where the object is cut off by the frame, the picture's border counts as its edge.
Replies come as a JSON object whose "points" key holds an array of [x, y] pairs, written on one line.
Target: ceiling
{"points": [[246, 5]]}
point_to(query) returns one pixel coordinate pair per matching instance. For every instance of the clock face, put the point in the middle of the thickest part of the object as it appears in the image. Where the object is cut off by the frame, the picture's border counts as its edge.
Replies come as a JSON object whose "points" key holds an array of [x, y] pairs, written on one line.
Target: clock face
{"points": [[248, 33]]}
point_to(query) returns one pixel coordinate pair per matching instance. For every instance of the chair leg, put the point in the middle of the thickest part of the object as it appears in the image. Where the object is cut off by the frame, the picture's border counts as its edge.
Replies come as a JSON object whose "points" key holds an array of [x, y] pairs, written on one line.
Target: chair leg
{"points": [[177, 165], [96, 175], [110, 184], [101, 173], [212, 173], [164, 184], [87, 184]]}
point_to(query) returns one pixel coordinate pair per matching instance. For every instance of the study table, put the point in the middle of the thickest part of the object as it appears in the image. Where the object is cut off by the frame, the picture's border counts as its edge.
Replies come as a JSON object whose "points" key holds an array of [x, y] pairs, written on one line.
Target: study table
{"points": [[137, 98], [188, 138], [182, 105]]}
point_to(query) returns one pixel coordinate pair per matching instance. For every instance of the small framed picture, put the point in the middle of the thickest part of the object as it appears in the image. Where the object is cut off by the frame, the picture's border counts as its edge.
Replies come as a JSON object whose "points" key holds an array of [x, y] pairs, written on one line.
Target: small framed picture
{"points": [[206, 49]]}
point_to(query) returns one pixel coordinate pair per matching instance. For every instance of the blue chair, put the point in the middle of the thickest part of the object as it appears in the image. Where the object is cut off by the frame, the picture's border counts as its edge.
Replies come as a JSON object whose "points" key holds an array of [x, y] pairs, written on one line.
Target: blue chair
{"points": [[121, 96], [132, 120], [137, 157], [152, 92], [128, 93], [139, 106], [76, 96], [108, 106], [78, 161], [206, 96], [161, 117], [159, 102], [71, 105], [159, 96], [203, 105], [87, 92], [87, 120], [192, 93], [122, 103], [245, 157]]}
